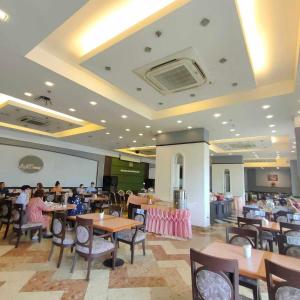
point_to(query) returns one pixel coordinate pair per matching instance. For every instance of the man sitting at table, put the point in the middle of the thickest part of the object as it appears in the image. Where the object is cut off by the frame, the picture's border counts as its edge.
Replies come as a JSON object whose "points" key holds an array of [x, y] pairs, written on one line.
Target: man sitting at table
{"points": [[91, 189], [3, 189]]}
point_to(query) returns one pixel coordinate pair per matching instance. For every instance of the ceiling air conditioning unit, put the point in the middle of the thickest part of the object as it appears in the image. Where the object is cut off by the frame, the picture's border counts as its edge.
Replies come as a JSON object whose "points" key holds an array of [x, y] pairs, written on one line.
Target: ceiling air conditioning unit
{"points": [[34, 121], [176, 73]]}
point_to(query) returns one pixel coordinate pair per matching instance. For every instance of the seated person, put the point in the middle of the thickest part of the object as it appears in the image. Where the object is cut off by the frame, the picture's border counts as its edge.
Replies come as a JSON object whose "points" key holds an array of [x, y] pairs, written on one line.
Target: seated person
{"points": [[81, 190], [57, 188], [75, 199], [294, 205], [39, 186], [3, 190], [35, 210], [91, 189], [24, 196]]}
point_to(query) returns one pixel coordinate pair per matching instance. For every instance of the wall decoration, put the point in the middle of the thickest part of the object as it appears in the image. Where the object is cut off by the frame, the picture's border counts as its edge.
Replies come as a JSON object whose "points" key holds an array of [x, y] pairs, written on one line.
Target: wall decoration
{"points": [[30, 164], [272, 177]]}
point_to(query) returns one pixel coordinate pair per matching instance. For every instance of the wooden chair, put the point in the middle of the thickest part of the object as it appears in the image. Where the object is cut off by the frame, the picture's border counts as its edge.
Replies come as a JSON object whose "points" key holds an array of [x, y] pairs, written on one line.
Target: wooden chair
{"points": [[289, 226], [240, 236], [5, 215], [215, 278], [286, 288], [61, 238], [256, 224], [115, 210], [281, 216], [135, 235], [289, 244], [90, 247], [19, 227]]}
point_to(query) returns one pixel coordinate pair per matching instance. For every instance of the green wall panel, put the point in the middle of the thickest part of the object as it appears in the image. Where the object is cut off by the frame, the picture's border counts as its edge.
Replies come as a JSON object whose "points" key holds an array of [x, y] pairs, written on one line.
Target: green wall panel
{"points": [[130, 174]]}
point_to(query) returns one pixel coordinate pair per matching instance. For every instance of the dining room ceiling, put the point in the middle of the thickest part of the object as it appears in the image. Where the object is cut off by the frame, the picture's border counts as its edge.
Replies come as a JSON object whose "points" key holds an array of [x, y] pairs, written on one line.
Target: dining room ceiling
{"points": [[36, 47]]}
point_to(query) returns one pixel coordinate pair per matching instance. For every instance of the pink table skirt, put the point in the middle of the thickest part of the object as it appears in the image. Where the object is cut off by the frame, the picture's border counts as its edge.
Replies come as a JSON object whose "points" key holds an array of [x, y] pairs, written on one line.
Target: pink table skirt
{"points": [[175, 222]]}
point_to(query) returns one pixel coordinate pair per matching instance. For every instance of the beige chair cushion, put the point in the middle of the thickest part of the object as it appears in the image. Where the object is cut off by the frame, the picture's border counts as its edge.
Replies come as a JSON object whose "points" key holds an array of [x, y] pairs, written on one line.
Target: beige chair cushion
{"points": [[99, 246]]}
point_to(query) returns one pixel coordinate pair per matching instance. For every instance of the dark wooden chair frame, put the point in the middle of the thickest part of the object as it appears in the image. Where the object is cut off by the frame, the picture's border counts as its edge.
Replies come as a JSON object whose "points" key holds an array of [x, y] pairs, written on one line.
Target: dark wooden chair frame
{"points": [[133, 242], [283, 246], [62, 218], [7, 216], [19, 222], [227, 268], [88, 224], [252, 237], [281, 213], [290, 226], [290, 277]]}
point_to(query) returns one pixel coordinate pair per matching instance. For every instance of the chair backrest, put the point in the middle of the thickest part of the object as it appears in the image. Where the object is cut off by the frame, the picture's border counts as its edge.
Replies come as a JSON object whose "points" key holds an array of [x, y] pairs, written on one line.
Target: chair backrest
{"points": [[281, 216], [84, 233], [129, 192], [215, 278], [139, 215], [288, 287], [290, 226], [17, 215], [121, 193], [50, 197], [240, 236], [252, 224], [59, 225], [131, 208], [5, 209], [289, 244], [113, 198], [115, 210]]}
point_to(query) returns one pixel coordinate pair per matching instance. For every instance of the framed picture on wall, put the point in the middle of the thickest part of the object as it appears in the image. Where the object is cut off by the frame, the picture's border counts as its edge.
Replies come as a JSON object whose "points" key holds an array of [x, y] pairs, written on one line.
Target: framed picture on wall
{"points": [[272, 177]]}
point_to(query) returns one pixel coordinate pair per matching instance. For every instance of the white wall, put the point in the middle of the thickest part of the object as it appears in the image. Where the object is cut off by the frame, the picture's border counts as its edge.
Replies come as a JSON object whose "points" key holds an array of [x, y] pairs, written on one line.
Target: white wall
{"points": [[284, 177], [195, 178], [151, 172], [237, 178], [69, 170]]}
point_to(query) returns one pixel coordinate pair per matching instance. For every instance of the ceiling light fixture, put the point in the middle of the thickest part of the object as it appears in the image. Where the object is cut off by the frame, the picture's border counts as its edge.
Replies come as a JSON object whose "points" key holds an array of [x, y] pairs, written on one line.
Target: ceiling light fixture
{"points": [[27, 94], [3, 16], [124, 117], [107, 133], [189, 127], [179, 121], [147, 126], [120, 137], [141, 134], [159, 131], [93, 103], [237, 134], [153, 139], [224, 122], [134, 141], [217, 115], [232, 130], [273, 131], [127, 129], [272, 125], [103, 121], [72, 109], [266, 106], [49, 83], [298, 111], [293, 151], [269, 116]]}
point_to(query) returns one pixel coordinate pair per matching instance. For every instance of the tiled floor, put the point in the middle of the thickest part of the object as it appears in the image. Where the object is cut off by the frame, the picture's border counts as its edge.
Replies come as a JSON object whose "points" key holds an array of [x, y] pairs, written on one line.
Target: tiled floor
{"points": [[164, 273]]}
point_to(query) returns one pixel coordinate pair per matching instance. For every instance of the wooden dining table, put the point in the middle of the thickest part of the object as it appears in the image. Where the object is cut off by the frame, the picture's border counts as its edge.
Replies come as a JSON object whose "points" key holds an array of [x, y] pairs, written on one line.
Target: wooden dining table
{"points": [[59, 207], [253, 267], [110, 224]]}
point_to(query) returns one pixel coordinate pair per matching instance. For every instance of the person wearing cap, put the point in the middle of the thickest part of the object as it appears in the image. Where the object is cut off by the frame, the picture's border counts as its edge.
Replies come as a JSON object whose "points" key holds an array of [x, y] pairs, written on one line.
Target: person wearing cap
{"points": [[24, 196]]}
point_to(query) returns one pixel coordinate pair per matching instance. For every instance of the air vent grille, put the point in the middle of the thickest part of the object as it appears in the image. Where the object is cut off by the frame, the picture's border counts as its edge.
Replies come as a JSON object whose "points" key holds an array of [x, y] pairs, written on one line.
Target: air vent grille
{"points": [[34, 121]]}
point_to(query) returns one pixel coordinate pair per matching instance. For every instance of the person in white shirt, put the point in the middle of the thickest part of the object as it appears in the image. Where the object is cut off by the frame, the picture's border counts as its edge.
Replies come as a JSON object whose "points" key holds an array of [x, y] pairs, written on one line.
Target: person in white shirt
{"points": [[91, 189], [24, 196]]}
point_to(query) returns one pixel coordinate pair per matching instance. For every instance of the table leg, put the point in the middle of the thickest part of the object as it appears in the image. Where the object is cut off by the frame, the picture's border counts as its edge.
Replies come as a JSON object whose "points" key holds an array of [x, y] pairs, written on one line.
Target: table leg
{"points": [[109, 262]]}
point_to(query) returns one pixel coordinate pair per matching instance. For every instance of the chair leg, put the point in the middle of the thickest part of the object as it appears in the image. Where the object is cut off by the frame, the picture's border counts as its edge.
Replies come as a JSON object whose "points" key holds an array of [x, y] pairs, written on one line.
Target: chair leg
{"points": [[60, 256], [18, 239], [114, 255], [271, 246], [1, 225], [89, 269], [51, 252], [132, 253], [144, 247], [256, 293], [74, 262], [6, 231], [40, 234]]}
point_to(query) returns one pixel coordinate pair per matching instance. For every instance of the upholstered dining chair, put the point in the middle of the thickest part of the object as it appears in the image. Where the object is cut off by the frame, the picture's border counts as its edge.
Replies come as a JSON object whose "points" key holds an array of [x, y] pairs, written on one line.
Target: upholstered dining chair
{"points": [[61, 238], [5, 215], [135, 235], [281, 216], [19, 227], [214, 278], [288, 287], [240, 236], [286, 227], [89, 246], [289, 244]]}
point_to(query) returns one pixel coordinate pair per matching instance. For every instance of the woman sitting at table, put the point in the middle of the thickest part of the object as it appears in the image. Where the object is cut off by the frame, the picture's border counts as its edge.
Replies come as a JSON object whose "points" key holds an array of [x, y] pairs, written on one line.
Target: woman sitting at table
{"points": [[75, 199], [35, 210], [57, 188]]}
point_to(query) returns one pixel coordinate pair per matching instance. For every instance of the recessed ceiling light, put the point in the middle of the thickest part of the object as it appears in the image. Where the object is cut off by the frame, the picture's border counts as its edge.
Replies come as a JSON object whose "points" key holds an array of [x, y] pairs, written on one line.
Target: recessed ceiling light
{"points": [[120, 137], [232, 130], [124, 117], [103, 121], [237, 134], [294, 143], [153, 139], [93, 103], [141, 134], [224, 122], [159, 131], [107, 133], [49, 83], [127, 129], [217, 115], [294, 147], [272, 125], [293, 151], [72, 109], [211, 154], [273, 131], [27, 94], [266, 106], [3, 16], [134, 141], [147, 126], [189, 127], [298, 111], [222, 60], [179, 121], [277, 168], [204, 22], [269, 116]]}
